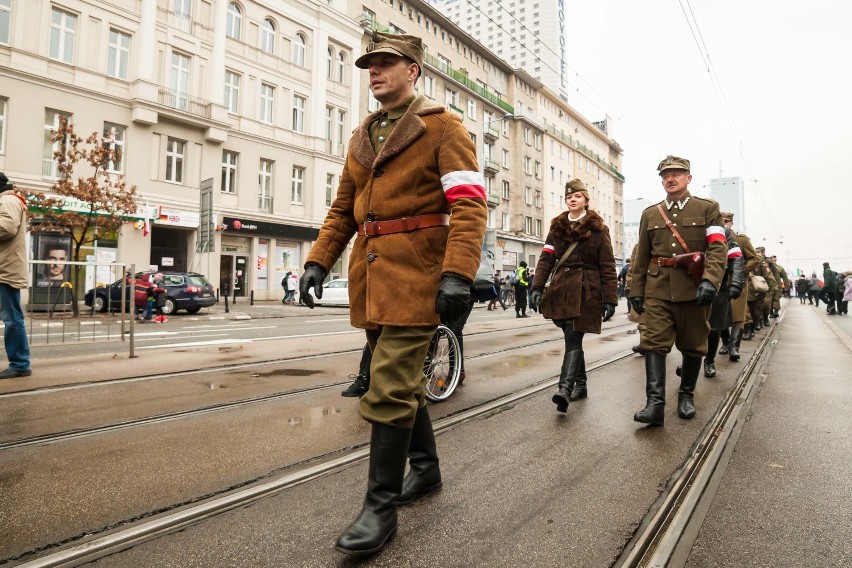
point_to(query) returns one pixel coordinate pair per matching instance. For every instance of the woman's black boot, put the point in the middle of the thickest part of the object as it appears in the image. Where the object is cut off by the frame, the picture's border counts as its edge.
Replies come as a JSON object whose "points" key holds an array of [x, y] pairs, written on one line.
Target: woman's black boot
{"points": [[377, 522], [570, 365], [579, 390]]}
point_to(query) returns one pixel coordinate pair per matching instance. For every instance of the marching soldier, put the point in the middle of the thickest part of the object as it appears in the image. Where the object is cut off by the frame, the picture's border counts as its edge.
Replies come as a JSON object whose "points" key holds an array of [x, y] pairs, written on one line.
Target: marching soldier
{"points": [[676, 308], [412, 191], [780, 278], [739, 306]]}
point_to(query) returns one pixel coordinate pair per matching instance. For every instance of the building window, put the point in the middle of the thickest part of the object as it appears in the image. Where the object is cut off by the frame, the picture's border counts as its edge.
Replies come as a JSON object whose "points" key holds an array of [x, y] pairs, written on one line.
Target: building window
{"points": [[341, 66], [429, 86], [505, 190], [329, 123], [5, 20], [267, 103], [114, 141], [299, 48], [528, 195], [527, 135], [341, 130], [451, 97], [229, 171], [538, 199], [506, 225], [538, 227], [329, 60], [232, 92], [62, 30], [179, 80], [264, 186], [505, 158], [372, 103], [527, 165], [537, 170], [118, 55], [471, 108], [298, 185], [234, 22], [52, 120], [537, 140], [175, 150], [4, 104], [267, 36], [329, 189], [299, 103], [528, 225], [492, 218]]}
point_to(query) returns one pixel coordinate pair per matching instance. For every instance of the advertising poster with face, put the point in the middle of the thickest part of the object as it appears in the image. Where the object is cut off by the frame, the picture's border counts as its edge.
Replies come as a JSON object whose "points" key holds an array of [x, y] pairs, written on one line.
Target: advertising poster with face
{"points": [[56, 251]]}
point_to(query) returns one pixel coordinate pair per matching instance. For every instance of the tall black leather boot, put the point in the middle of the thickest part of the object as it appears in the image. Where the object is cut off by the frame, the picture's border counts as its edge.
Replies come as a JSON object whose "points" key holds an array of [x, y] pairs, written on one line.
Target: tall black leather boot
{"points": [[691, 368], [361, 384], [748, 332], [570, 366], [725, 335], [579, 389], [424, 475], [710, 358], [765, 319], [377, 522], [734, 349], [655, 390]]}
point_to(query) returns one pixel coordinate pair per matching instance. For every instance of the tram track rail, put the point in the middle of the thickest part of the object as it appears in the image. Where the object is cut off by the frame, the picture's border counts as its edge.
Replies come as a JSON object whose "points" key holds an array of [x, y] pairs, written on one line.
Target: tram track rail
{"points": [[225, 368], [665, 536], [87, 548], [65, 435]]}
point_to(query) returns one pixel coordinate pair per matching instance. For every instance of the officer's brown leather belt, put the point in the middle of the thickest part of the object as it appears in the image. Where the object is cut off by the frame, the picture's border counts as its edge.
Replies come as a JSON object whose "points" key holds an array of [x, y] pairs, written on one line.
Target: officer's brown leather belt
{"points": [[403, 224], [663, 261]]}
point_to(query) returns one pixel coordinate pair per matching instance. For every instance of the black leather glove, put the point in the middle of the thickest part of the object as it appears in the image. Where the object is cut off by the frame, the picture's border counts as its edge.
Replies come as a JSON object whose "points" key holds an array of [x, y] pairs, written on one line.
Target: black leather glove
{"points": [[453, 298], [313, 276], [734, 292], [638, 304], [705, 293], [535, 299], [607, 311]]}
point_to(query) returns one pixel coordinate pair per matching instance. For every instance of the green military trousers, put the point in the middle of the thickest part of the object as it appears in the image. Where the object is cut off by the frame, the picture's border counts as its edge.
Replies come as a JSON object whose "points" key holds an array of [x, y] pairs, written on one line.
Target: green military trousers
{"points": [[397, 381], [682, 324]]}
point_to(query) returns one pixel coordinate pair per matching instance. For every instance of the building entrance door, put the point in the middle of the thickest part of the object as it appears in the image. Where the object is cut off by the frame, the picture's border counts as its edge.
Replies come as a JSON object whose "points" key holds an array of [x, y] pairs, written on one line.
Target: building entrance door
{"points": [[233, 275]]}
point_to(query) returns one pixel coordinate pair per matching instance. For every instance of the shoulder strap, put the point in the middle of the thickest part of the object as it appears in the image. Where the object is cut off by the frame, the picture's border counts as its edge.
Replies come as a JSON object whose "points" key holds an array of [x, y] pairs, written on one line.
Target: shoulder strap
{"points": [[562, 259], [671, 227]]}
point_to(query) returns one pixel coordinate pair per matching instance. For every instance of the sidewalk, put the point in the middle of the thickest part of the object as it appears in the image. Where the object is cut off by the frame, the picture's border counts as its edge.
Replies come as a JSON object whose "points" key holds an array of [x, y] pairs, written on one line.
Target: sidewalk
{"points": [[784, 499]]}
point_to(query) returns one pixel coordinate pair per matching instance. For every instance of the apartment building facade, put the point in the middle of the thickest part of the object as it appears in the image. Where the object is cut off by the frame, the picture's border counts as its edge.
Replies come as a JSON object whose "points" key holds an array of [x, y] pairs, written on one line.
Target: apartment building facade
{"points": [[254, 98], [257, 100], [519, 125]]}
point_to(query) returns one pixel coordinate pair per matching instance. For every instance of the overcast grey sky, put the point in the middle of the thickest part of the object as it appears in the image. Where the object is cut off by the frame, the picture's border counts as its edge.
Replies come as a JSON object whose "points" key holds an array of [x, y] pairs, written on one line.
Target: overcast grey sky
{"points": [[784, 68]]}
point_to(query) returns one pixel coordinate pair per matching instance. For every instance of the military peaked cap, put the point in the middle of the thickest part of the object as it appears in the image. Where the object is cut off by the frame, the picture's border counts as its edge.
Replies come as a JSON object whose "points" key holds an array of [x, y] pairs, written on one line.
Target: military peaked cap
{"points": [[673, 163], [396, 44]]}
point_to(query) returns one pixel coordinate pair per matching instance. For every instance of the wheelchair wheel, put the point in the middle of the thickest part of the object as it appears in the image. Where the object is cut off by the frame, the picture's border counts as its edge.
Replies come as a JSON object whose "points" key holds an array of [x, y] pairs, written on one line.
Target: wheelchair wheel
{"points": [[442, 366]]}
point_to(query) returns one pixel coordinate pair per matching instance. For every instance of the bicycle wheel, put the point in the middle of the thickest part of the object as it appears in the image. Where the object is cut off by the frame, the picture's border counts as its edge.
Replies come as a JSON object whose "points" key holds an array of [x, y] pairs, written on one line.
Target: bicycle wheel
{"points": [[442, 366]]}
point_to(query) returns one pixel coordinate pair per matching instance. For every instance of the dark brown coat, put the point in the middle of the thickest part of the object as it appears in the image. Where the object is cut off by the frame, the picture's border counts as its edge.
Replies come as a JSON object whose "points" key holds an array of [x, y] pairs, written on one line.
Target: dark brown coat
{"points": [[586, 280], [427, 165]]}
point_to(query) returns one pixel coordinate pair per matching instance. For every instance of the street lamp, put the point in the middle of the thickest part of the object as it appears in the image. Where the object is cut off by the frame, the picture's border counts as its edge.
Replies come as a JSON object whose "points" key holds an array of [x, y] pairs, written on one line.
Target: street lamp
{"points": [[490, 243]]}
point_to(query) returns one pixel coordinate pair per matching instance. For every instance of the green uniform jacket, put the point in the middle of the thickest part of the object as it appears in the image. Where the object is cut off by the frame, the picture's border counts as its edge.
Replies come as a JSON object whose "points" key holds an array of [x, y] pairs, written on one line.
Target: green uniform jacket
{"points": [[700, 226], [427, 165]]}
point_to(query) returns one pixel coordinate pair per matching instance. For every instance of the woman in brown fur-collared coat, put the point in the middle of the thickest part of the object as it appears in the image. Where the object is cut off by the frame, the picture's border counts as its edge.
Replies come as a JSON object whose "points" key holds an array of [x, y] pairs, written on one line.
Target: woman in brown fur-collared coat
{"points": [[583, 290]]}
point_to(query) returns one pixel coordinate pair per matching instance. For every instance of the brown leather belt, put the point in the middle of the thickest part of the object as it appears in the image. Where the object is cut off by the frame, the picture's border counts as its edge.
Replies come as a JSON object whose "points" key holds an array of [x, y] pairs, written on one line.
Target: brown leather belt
{"points": [[403, 224], [663, 261]]}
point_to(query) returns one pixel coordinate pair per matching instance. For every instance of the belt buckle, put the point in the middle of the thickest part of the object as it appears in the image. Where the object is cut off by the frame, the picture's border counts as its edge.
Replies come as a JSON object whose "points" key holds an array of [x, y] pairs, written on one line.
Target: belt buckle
{"points": [[366, 231]]}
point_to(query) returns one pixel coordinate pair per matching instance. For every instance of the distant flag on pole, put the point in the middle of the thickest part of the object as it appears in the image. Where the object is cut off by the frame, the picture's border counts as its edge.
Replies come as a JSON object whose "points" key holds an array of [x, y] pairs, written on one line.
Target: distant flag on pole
{"points": [[146, 227]]}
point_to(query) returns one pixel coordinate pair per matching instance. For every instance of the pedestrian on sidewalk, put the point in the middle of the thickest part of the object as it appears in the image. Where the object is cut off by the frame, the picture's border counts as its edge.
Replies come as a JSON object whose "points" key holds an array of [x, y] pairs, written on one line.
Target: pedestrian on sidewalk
{"points": [[498, 294], [285, 285], [676, 308], [847, 294], [578, 262], [13, 277], [412, 191], [522, 284]]}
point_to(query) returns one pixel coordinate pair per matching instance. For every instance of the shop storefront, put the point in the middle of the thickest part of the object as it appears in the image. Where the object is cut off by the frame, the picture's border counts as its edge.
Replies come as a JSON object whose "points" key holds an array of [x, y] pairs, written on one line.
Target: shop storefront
{"points": [[173, 235], [255, 256]]}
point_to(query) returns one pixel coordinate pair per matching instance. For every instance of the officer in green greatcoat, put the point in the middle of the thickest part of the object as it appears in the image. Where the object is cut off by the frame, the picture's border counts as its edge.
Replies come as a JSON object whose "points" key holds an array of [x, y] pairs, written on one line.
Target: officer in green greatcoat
{"points": [[783, 288], [676, 309]]}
